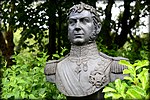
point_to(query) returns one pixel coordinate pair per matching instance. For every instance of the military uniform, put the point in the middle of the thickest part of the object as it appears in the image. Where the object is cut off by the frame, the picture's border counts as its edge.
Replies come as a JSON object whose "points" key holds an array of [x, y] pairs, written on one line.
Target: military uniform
{"points": [[84, 71]]}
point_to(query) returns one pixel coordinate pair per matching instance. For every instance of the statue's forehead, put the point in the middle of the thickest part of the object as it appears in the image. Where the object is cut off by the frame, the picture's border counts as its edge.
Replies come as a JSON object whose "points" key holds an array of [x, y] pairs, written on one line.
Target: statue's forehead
{"points": [[84, 13]]}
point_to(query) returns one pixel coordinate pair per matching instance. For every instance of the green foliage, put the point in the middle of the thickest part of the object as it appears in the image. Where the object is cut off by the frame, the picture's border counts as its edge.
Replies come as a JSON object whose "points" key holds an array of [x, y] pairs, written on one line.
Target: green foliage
{"points": [[134, 86], [61, 55], [132, 50], [26, 78], [136, 49]]}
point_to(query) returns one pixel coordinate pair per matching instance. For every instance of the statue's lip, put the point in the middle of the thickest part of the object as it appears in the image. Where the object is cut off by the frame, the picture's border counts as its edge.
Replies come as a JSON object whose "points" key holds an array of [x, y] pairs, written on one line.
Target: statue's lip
{"points": [[78, 35]]}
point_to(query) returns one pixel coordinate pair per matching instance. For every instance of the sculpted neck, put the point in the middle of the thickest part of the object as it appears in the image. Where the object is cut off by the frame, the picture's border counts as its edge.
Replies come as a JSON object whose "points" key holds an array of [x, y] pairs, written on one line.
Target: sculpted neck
{"points": [[83, 51]]}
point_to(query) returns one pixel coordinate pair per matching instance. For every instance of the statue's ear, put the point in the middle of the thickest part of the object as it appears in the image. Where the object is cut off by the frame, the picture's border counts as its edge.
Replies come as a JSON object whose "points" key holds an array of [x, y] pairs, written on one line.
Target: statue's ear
{"points": [[98, 28]]}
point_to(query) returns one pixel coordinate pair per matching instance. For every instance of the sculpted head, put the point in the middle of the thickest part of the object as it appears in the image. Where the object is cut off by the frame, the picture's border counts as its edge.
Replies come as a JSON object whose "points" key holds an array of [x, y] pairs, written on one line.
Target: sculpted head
{"points": [[84, 24]]}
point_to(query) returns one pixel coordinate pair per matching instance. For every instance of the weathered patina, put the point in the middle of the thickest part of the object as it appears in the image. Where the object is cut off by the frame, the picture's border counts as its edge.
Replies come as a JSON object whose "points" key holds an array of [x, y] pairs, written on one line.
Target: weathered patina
{"points": [[85, 71]]}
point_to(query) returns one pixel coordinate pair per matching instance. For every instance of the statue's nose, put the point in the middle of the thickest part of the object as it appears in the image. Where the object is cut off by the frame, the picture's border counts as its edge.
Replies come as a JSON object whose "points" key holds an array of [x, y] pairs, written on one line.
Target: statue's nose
{"points": [[77, 27]]}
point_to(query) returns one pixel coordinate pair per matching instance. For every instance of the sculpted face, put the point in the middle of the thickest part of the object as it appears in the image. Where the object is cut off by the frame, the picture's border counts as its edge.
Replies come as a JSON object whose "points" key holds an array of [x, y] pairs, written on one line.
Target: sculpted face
{"points": [[80, 27]]}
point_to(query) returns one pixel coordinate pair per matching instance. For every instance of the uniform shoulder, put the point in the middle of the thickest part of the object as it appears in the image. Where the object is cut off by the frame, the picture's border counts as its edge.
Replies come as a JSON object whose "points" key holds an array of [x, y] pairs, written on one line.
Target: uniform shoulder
{"points": [[51, 66], [115, 67], [105, 56], [112, 58]]}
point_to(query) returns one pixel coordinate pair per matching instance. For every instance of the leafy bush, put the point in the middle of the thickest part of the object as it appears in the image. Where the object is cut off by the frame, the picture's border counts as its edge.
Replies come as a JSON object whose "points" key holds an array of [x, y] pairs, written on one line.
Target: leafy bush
{"points": [[132, 49], [26, 78], [134, 86], [61, 55]]}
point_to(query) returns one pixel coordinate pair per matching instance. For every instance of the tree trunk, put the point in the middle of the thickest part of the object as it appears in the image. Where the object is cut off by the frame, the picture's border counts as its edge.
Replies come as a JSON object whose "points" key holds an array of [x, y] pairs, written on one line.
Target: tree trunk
{"points": [[106, 29], [7, 44], [9, 35], [52, 28], [3, 47], [127, 23], [59, 28], [121, 39]]}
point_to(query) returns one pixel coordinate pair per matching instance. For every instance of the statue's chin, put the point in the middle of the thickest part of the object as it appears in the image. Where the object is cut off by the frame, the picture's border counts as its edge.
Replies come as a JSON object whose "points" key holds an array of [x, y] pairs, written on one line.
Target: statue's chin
{"points": [[79, 41]]}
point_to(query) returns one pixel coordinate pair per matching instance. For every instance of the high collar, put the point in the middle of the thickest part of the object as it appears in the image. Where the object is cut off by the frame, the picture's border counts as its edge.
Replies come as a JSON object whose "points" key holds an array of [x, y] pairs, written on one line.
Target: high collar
{"points": [[84, 51]]}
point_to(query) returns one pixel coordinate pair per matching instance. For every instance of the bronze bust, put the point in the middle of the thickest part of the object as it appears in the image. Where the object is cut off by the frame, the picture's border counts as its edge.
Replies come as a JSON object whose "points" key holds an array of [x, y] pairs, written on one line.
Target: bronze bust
{"points": [[84, 72]]}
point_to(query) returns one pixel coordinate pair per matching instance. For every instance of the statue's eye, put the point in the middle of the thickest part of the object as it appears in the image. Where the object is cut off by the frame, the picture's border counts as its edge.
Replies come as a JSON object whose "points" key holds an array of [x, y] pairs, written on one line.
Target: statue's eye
{"points": [[72, 21], [85, 20]]}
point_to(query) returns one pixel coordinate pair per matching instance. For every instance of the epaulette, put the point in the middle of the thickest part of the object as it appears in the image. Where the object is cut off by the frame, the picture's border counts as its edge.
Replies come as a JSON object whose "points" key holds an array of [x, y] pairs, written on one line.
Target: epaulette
{"points": [[50, 68], [115, 67], [112, 58], [105, 56]]}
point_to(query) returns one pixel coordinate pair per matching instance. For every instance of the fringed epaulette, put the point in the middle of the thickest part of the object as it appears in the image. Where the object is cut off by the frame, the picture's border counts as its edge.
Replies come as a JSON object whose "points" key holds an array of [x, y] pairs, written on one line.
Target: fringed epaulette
{"points": [[50, 68], [115, 67]]}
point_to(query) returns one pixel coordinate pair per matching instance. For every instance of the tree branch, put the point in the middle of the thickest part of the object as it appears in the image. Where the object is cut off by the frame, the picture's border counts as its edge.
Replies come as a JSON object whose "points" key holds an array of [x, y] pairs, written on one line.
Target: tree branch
{"points": [[105, 32]]}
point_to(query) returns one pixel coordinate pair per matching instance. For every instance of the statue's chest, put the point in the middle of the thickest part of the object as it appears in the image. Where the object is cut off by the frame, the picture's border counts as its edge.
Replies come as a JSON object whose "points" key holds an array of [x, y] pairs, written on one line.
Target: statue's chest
{"points": [[91, 71]]}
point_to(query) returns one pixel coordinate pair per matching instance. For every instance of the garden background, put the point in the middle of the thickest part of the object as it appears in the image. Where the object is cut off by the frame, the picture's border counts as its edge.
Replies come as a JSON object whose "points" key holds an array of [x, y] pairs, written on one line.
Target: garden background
{"points": [[35, 31]]}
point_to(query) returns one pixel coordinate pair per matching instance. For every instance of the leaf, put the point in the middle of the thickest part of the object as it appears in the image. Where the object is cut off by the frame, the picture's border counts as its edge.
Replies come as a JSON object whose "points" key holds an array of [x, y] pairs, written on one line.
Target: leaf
{"points": [[31, 96], [134, 94], [146, 75], [43, 95], [139, 90], [109, 89], [8, 95], [22, 81], [16, 94], [141, 64], [128, 78], [111, 85], [130, 71], [118, 85], [23, 94], [108, 94], [123, 87], [126, 63], [136, 81], [5, 80], [116, 96], [56, 55], [143, 76], [126, 71], [147, 96], [63, 50], [42, 90], [34, 84], [59, 97]]}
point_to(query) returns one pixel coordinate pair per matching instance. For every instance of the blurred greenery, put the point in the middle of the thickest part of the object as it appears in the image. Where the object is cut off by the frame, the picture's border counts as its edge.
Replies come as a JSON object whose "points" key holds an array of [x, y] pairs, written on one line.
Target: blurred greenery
{"points": [[32, 29], [26, 79], [134, 86]]}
